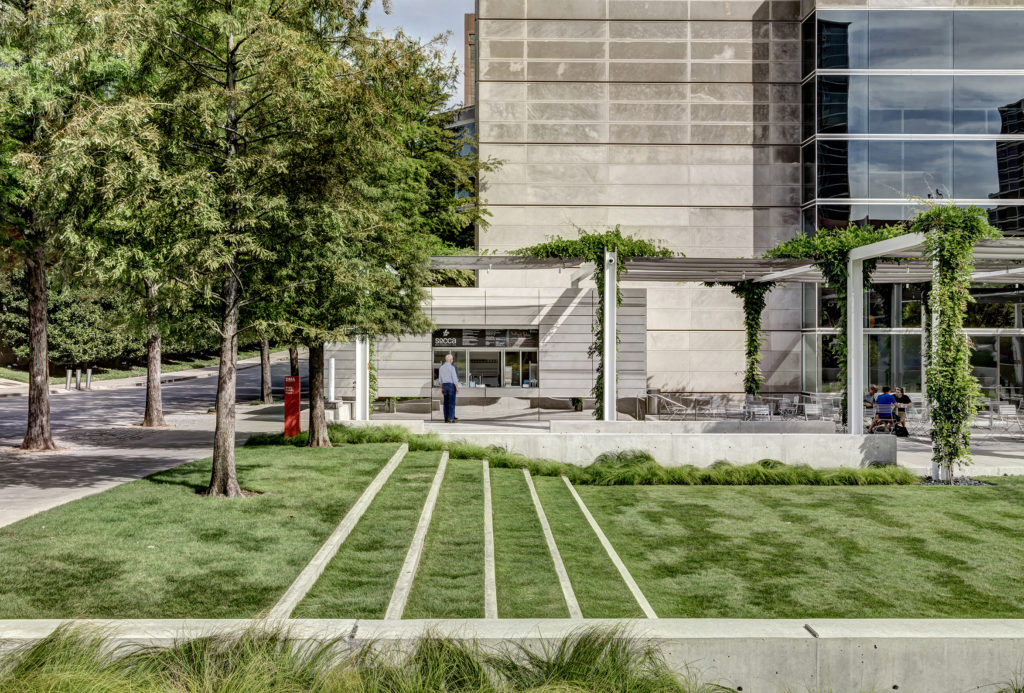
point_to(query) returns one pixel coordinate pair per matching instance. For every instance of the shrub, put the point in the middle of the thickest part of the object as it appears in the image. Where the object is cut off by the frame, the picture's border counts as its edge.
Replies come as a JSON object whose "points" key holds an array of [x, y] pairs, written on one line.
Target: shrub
{"points": [[619, 468]]}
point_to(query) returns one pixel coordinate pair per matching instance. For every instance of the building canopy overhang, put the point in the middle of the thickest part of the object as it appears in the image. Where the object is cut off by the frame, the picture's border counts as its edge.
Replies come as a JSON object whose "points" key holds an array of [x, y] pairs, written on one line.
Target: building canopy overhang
{"points": [[900, 261]]}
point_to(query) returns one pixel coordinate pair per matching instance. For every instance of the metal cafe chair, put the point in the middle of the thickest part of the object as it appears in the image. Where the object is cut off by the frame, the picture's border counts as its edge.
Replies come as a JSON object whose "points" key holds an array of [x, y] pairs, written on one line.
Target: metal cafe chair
{"points": [[669, 409], [918, 419], [1007, 416], [813, 412], [758, 412]]}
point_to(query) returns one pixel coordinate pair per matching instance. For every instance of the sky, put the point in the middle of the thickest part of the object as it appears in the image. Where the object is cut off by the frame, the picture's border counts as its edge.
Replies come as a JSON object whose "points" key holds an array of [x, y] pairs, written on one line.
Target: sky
{"points": [[426, 19]]}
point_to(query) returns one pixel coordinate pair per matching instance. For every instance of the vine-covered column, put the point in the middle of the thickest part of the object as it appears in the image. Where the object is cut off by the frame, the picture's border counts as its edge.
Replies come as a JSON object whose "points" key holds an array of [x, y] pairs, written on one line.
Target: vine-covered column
{"points": [[953, 392]]}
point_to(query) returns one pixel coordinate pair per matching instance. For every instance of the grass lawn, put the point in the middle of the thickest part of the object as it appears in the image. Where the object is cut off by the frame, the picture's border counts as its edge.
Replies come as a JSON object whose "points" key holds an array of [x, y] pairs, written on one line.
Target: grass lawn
{"points": [[154, 548], [450, 580], [169, 365], [842, 552], [599, 588], [524, 572], [359, 581]]}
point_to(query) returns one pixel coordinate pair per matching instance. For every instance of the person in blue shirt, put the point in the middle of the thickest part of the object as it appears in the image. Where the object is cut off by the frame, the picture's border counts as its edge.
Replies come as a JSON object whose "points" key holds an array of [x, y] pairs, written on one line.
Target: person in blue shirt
{"points": [[883, 417], [448, 376]]}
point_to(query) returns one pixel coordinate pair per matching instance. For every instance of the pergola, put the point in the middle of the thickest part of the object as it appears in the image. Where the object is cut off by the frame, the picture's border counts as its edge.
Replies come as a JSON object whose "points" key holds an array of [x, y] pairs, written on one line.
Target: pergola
{"points": [[900, 260]]}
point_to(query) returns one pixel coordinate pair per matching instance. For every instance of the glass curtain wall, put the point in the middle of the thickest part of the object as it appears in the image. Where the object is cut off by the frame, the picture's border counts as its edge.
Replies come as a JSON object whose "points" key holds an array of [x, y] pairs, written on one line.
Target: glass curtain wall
{"points": [[894, 338], [875, 140], [899, 107]]}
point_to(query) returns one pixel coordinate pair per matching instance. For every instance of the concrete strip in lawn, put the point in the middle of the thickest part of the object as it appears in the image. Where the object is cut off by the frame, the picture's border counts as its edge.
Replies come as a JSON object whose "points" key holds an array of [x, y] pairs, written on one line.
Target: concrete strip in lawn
{"points": [[490, 583], [613, 554], [311, 573], [403, 586], [563, 575]]}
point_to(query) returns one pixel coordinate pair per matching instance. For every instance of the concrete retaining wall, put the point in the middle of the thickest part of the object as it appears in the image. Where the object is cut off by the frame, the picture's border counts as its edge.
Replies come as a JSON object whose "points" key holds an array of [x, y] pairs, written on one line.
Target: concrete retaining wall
{"points": [[634, 427], [754, 656], [701, 450]]}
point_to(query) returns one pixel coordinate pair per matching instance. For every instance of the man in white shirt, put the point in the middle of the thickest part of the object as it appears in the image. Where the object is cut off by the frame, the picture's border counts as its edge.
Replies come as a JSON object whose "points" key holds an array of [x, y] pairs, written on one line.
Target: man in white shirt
{"points": [[448, 376]]}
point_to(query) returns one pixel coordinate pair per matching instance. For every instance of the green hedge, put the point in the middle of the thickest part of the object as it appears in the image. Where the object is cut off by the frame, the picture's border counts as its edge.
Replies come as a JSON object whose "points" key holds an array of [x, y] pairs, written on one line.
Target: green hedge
{"points": [[629, 467]]}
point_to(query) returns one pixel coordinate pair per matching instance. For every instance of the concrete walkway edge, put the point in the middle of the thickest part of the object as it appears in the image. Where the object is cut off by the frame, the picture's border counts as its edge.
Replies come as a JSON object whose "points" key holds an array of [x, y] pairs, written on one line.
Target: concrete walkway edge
{"points": [[403, 586], [645, 606], [490, 582], [311, 573], [556, 556]]}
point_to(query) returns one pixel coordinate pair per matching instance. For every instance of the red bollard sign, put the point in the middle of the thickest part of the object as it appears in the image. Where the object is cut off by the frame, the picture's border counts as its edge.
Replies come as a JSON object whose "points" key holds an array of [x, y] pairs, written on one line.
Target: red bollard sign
{"points": [[292, 405]]}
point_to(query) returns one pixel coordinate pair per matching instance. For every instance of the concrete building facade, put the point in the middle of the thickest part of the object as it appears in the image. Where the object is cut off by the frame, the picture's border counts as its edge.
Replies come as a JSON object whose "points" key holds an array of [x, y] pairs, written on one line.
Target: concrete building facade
{"points": [[677, 120], [695, 123]]}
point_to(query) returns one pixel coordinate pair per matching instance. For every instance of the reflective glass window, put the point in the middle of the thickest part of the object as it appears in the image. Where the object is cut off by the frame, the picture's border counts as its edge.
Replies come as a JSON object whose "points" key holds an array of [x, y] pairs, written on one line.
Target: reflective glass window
{"points": [[842, 215], [1007, 218], [912, 298], [909, 104], [830, 365], [807, 168], [807, 46], [989, 105], [908, 365], [908, 169], [878, 355], [988, 40], [809, 296], [807, 110], [989, 170], [910, 39], [829, 314], [842, 104], [985, 363], [842, 168], [879, 305], [810, 363], [994, 306], [809, 220], [1011, 367], [842, 40]]}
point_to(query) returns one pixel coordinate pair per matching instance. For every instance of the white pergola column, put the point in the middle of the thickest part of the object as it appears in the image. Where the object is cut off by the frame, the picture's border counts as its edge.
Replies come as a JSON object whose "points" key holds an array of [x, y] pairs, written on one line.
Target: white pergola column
{"points": [[610, 335], [855, 346], [362, 411], [331, 389]]}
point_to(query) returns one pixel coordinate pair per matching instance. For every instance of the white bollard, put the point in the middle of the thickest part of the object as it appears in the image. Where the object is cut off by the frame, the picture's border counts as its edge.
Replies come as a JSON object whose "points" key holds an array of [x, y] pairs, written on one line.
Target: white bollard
{"points": [[88, 378], [330, 380], [67, 383], [78, 378]]}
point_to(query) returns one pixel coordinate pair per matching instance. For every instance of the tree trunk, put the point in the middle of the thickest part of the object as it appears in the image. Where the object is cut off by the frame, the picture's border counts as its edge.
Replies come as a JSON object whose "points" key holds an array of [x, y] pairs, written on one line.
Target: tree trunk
{"points": [[223, 480], [266, 384], [318, 437], [38, 435], [154, 417], [293, 358]]}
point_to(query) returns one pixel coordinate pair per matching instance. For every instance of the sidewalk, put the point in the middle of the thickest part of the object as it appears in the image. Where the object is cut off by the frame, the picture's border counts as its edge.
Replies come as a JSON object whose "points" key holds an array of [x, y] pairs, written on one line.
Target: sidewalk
{"points": [[13, 388], [96, 459]]}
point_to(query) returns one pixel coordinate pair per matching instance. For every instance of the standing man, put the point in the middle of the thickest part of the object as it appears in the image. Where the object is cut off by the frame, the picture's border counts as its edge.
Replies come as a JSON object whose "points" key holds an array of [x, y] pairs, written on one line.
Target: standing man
{"points": [[448, 376]]}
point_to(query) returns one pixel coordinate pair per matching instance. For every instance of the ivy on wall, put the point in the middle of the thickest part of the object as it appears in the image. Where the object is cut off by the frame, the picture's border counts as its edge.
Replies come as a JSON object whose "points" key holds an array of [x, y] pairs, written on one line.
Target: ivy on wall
{"points": [[953, 391], [590, 246], [371, 376], [829, 251], [755, 297]]}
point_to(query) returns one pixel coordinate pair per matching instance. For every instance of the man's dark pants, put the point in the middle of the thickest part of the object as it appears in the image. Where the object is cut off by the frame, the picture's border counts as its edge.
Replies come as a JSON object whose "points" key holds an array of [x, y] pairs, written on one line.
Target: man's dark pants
{"points": [[448, 390]]}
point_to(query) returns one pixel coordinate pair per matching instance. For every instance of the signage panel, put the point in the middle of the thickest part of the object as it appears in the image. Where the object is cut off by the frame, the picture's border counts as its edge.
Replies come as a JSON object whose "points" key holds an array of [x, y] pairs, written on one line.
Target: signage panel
{"points": [[292, 405], [448, 338]]}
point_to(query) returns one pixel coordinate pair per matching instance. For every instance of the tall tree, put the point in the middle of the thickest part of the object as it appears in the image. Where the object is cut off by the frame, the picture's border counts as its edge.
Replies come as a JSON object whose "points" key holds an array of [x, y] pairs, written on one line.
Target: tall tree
{"points": [[55, 74], [241, 83]]}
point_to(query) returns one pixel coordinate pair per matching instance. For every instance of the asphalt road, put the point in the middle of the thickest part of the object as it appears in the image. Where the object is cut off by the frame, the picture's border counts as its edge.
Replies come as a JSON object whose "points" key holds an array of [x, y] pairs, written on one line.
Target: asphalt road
{"points": [[125, 406]]}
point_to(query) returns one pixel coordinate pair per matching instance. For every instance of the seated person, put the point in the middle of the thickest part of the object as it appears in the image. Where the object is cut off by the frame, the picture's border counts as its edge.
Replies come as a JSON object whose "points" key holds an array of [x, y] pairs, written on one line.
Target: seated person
{"points": [[869, 398], [903, 403], [884, 417]]}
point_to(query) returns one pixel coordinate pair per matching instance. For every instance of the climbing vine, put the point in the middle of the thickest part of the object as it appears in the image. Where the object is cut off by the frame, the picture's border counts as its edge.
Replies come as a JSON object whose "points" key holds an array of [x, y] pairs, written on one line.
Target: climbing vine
{"points": [[829, 251], [371, 375], [953, 391], [755, 297], [590, 247]]}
